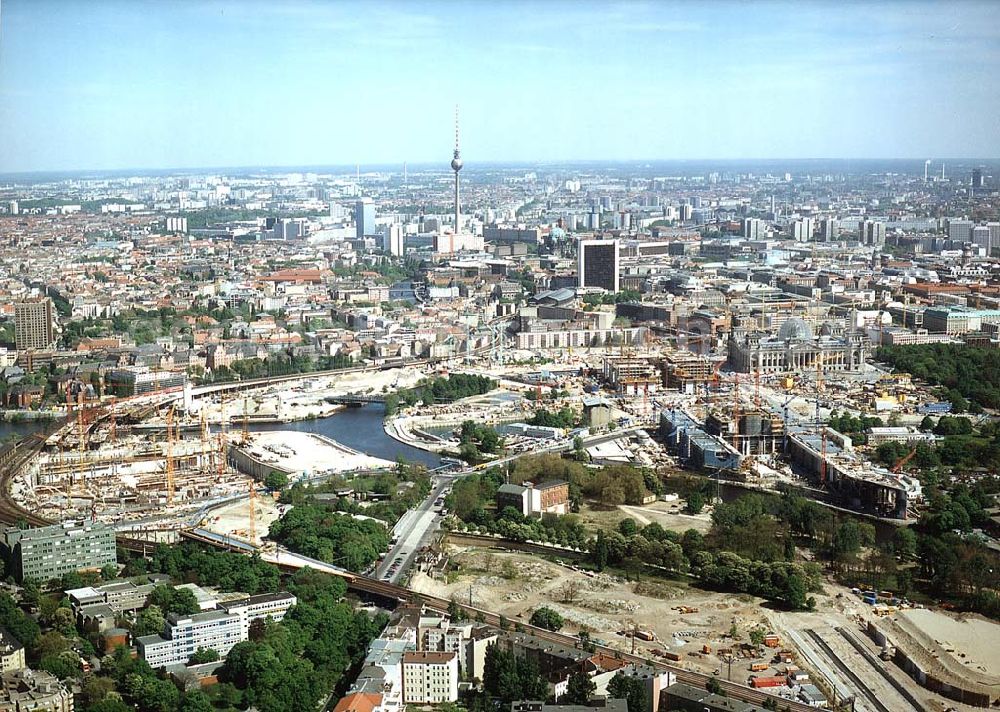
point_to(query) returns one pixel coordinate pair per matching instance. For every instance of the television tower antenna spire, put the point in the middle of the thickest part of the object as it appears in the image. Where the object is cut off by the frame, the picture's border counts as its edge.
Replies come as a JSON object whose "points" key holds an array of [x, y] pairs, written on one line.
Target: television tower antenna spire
{"points": [[456, 165]]}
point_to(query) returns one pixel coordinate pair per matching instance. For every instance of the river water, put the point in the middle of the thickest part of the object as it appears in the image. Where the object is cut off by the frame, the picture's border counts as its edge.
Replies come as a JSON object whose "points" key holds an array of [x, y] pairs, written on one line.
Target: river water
{"points": [[357, 428], [360, 429]]}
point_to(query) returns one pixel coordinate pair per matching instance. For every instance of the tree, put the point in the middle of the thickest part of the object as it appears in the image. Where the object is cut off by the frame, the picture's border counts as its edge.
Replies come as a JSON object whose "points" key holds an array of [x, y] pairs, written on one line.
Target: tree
{"points": [[455, 611], [203, 655], [904, 540], [546, 618], [695, 503], [62, 665], [95, 689], [630, 689], [149, 621], [276, 481], [715, 687], [196, 701], [757, 637], [578, 690], [173, 600]]}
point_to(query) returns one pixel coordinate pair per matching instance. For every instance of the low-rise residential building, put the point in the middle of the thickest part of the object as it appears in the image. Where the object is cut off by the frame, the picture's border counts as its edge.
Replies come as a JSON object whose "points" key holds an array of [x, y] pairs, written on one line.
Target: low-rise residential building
{"points": [[430, 677], [11, 652], [28, 690]]}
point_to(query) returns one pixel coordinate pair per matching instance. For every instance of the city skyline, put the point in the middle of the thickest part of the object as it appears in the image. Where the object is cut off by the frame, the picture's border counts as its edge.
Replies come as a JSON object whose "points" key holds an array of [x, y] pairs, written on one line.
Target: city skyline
{"points": [[209, 84]]}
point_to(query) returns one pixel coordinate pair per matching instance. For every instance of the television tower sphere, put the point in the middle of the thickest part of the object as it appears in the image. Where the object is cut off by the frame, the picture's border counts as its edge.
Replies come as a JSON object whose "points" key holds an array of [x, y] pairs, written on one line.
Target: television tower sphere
{"points": [[456, 163]]}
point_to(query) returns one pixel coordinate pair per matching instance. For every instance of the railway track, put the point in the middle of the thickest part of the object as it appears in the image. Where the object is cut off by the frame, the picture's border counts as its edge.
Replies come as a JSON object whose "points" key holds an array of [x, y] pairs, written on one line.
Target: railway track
{"points": [[862, 688], [392, 592], [880, 667]]}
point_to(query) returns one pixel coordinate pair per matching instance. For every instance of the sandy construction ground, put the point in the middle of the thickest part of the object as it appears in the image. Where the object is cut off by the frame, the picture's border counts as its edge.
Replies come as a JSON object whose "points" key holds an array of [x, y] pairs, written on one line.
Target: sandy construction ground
{"points": [[517, 584], [233, 520], [666, 514], [971, 641]]}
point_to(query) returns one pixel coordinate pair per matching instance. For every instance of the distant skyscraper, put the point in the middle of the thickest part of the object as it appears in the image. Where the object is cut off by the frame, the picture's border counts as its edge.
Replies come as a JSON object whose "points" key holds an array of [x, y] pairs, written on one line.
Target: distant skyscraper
{"points": [[597, 264], [364, 217], [456, 165], [13, 208], [828, 230], [802, 230], [392, 239], [752, 228], [960, 231], [977, 177], [871, 233], [33, 324]]}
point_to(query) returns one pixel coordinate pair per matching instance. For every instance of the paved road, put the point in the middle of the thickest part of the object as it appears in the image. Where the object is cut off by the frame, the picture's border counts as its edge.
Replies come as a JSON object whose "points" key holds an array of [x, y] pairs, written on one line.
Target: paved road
{"points": [[419, 526], [414, 530]]}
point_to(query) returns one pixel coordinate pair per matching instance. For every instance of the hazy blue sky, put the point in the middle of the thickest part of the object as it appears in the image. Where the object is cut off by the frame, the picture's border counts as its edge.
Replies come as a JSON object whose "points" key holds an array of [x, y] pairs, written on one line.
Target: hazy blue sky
{"points": [[133, 83]]}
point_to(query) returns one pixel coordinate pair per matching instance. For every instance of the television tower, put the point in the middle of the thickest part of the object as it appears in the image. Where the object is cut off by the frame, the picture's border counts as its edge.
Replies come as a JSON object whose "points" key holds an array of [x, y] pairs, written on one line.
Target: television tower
{"points": [[456, 165]]}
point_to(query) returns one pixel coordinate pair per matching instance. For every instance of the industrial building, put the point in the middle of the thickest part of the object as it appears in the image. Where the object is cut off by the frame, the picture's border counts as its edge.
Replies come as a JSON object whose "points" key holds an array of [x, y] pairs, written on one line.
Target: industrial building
{"points": [[49, 552], [688, 698]]}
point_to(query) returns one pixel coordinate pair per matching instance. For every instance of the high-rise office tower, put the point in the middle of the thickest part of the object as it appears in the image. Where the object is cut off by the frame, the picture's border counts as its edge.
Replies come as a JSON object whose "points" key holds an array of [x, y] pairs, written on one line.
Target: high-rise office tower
{"points": [[977, 177], [13, 208], [597, 264], [456, 165], [364, 217], [33, 324], [981, 237], [994, 228]]}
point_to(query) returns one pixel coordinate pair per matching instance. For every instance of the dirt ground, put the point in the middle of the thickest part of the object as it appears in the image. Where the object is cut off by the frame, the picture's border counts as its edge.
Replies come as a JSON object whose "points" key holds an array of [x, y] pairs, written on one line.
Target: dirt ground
{"points": [[605, 605], [234, 519], [517, 584], [969, 640], [667, 514]]}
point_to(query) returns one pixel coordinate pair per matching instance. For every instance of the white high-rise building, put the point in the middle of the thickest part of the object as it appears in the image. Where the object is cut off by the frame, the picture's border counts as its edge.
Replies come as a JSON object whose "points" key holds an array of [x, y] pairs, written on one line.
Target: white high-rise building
{"points": [[392, 239]]}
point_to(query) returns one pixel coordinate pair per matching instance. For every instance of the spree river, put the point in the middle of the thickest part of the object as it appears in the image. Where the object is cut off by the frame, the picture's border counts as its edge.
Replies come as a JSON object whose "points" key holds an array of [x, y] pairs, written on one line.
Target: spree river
{"points": [[357, 428], [360, 429]]}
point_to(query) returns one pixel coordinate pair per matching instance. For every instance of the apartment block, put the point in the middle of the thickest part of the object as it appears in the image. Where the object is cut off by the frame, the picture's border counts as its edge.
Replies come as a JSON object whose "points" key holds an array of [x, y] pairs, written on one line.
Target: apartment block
{"points": [[430, 677], [49, 552]]}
